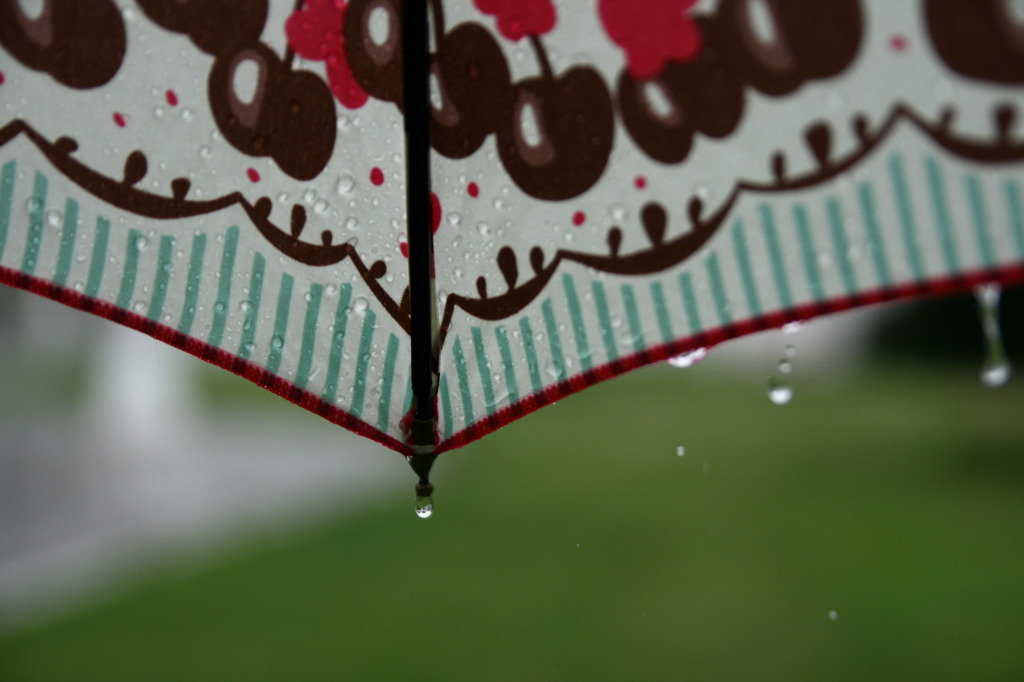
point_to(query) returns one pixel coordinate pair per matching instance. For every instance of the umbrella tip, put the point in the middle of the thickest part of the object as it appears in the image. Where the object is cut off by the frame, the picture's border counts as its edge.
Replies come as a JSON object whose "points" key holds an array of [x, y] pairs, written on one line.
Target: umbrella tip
{"points": [[421, 462]]}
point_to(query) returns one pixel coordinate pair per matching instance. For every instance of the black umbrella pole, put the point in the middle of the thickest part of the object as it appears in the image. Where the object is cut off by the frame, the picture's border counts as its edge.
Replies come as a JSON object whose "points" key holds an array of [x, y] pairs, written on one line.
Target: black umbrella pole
{"points": [[416, 65]]}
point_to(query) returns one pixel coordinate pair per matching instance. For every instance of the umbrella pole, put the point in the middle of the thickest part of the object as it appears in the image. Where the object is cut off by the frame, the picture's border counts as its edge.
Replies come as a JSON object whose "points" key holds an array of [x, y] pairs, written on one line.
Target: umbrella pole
{"points": [[416, 66]]}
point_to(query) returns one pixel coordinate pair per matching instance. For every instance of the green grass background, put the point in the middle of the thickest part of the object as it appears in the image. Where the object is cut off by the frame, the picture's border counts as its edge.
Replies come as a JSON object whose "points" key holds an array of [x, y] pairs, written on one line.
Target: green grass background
{"points": [[576, 544]]}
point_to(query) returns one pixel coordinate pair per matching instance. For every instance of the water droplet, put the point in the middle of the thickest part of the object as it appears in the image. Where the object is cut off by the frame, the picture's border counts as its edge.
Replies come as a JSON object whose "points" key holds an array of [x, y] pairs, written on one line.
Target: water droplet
{"points": [[833, 616], [187, 114], [792, 327], [277, 343], [485, 229], [219, 307], [688, 359], [996, 369], [34, 205], [779, 392], [321, 206], [53, 218], [424, 506], [790, 351], [454, 218], [346, 183], [351, 223], [785, 366], [141, 243], [680, 450], [360, 304]]}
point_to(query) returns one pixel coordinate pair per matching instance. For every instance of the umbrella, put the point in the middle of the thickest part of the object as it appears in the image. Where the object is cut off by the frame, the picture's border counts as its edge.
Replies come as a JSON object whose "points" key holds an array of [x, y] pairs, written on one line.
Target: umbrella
{"points": [[425, 220]]}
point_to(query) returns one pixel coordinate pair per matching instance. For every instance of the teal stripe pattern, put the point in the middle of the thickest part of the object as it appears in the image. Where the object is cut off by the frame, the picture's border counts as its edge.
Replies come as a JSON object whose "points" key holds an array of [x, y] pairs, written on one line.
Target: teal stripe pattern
{"points": [[661, 311], [227, 271], [384, 406], [605, 320], [252, 308], [163, 277], [508, 364], [98, 260], [407, 402], [633, 315], [578, 326], [37, 208], [690, 303], [284, 303], [771, 237], [531, 354], [481, 365], [67, 242], [192, 284], [1013, 202], [131, 267], [908, 223], [551, 325], [739, 242], [718, 289], [446, 404], [809, 252], [937, 187], [313, 299], [842, 246], [460, 369], [7, 175], [363, 363], [869, 213], [337, 343], [980, 218]]}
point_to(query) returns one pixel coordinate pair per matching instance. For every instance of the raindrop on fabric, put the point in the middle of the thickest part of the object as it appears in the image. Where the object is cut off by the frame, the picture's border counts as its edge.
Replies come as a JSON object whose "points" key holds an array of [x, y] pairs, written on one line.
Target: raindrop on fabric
{"points": [[689, 359], [996, 370]]}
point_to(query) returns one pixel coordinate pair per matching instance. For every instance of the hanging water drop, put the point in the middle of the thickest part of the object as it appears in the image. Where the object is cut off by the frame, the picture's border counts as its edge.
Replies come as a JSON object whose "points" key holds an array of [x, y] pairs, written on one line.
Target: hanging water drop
{"points": [[424, 506], [996, 370], [688, 359], [680, 450], [779, 392]]}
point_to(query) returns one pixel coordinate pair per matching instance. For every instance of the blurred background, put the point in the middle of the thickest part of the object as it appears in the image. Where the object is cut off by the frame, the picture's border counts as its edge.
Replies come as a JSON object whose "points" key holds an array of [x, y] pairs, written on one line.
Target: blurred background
{"points": [[161, 519]]}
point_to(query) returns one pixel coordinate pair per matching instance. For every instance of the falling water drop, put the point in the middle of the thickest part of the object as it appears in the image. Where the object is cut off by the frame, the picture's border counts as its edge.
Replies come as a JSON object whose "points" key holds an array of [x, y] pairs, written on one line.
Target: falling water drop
{"points": [[688, 359], [779, 392], [996, 370], [424, 506], [785, 366], [680, 450]]}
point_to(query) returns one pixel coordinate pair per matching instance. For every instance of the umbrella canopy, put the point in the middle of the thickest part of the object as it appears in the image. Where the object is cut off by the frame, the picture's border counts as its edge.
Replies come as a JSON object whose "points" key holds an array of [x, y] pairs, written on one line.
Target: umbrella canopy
{"points": [[609, 184]]}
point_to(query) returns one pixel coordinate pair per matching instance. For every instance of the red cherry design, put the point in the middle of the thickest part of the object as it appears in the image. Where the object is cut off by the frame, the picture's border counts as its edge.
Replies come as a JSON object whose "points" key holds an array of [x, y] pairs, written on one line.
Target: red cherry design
{"points": [[120, 120], [473, 189], [377, 176], [651, 32], [578, 218], [172, 98], [520, 18], [253, 174], [317, 32]]}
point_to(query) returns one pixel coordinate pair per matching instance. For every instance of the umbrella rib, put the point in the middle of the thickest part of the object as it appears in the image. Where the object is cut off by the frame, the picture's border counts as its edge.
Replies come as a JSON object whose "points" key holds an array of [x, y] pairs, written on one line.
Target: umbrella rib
{"points": [[416, 78]]}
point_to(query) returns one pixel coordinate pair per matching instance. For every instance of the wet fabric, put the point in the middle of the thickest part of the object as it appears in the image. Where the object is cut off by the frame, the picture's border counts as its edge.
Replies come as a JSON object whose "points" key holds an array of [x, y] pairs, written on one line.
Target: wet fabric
{"points": [[615, 183]]}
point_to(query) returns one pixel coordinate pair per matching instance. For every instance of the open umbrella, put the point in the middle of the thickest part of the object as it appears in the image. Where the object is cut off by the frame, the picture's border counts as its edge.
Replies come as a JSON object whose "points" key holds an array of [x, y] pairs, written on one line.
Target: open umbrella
{"points": [[590, 187]]}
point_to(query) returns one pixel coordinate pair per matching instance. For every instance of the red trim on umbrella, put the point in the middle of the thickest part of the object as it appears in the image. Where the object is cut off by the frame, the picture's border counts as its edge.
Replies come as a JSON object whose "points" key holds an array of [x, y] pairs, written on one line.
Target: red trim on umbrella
{"points": [[204, 351], [939, 287]]}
